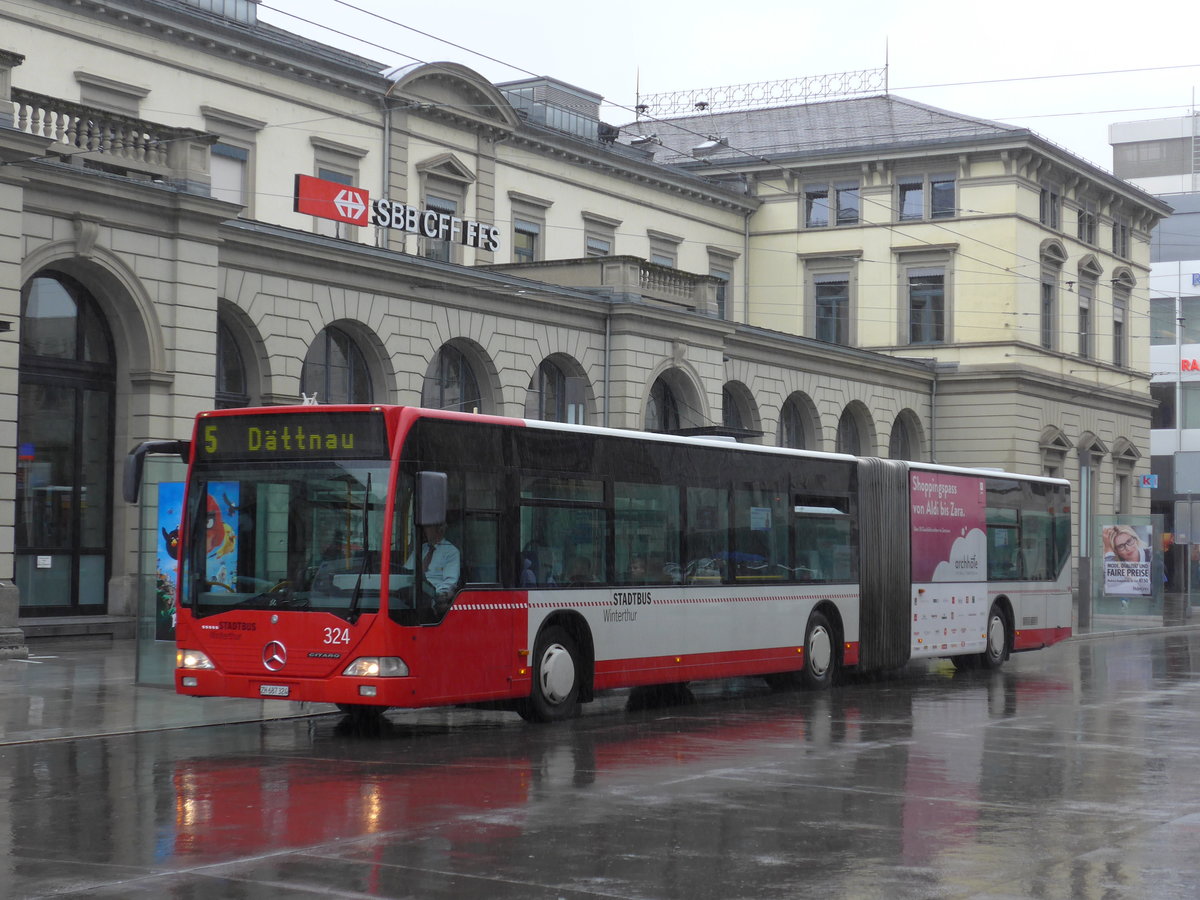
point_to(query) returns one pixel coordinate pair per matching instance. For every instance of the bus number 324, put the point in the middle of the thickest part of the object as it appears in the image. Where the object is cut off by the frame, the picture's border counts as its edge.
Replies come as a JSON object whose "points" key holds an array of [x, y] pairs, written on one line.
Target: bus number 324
{"points": [[337, 635]]}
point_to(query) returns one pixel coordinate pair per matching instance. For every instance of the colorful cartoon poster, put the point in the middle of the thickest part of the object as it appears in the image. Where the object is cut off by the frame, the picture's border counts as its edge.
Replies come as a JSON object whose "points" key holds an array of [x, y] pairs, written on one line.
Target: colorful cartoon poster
{"points": [[221, 551], [948, 516]]}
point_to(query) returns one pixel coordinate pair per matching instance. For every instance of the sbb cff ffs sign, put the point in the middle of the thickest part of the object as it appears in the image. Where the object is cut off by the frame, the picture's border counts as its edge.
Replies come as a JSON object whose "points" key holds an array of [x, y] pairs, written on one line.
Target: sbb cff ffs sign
{"points": [[354, 206]]}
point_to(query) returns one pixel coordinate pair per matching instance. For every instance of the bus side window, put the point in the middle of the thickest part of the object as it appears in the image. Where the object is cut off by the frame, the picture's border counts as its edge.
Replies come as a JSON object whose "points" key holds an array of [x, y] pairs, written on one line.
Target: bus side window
{"points": [[824, 548], [707, 535], [646, 533], [481, 549]]}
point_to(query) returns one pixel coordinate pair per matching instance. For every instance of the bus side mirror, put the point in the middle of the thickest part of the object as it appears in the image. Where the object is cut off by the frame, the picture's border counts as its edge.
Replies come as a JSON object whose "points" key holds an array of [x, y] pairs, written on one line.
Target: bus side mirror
{"points": [[432, 498], [135, 462]]}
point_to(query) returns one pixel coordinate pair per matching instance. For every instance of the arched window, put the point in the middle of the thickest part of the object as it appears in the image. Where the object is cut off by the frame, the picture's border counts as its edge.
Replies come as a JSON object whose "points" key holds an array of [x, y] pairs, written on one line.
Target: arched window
{"points": [[452, 383], [64, 448], [662, 410], [849, 434], [556, 396], [231, 371], [335, 369], [901, 444], [796, 424], [731, 410]]}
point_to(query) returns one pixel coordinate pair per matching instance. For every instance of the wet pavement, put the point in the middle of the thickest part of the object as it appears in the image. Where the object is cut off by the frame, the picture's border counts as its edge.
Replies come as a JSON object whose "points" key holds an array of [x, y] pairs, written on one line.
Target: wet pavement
{"points": [[1073, 772]]}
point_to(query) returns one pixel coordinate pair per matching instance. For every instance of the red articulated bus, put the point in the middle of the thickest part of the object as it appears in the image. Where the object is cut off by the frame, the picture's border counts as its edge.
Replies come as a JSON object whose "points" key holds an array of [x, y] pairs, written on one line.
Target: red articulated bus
{"points": [[385, 556]]}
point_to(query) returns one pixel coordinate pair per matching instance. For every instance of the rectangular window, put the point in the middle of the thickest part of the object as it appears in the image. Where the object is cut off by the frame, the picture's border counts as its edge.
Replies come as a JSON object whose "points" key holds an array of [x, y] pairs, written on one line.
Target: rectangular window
{"points": [[525, 240], [816, 206], [1049, 313], [1163, 393], [723, 275], [1120, 309], [824, 547], [1050, 206], [926, 306], [1162, 321], [1120, 242], [595, 246], [941, 197], [849, 203], [911, 198], [664, 248], [599, 234], [760, 533], [1086, 230], [1191, 404], [707, 550], [832, 204], [434, 248], [227, 172], [647, 533], [1085, 319], [831, 294]]}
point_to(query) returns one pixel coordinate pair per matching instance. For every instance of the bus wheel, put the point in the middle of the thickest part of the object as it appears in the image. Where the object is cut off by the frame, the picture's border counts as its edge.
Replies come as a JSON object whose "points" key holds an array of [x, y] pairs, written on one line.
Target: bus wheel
{"points": [[820, 653], [555, 692], [996, 651]]}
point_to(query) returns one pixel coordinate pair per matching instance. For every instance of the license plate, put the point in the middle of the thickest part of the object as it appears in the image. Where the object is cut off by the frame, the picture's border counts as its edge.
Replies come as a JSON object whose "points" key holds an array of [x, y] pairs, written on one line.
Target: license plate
{"points": [[273, 690]]}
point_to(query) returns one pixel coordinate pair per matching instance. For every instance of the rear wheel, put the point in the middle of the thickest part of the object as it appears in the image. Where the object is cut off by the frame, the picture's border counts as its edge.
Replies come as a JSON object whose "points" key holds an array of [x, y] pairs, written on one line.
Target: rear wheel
{"points": [[996, 651], [820, 653], [554, 695]]}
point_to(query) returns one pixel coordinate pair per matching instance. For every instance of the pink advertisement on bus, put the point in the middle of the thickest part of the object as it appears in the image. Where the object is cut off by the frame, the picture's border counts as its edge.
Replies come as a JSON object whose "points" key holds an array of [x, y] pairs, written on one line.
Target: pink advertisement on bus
{"points": [[949, 528]]}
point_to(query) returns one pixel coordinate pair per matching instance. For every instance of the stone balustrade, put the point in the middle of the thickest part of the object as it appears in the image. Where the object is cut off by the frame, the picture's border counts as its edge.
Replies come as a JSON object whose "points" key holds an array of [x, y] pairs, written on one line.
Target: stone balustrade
{"points": [[124, 145]]}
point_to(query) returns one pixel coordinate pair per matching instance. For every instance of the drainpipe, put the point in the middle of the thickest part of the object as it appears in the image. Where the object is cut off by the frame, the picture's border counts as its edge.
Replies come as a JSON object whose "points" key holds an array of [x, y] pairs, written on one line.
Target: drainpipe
{"points": [[746, 268], [607, 356], [933, 415], [385, 175]]}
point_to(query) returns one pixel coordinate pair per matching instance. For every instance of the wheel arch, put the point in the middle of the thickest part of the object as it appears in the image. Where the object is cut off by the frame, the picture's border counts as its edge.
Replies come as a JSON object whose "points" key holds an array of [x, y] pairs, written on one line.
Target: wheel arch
{"points": [[576, 626], [1006, 610], [833, 615]]}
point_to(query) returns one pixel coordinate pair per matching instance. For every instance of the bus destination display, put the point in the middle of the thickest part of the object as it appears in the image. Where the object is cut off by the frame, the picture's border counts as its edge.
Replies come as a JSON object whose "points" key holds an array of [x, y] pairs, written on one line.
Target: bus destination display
{"points": [[307, 435]]}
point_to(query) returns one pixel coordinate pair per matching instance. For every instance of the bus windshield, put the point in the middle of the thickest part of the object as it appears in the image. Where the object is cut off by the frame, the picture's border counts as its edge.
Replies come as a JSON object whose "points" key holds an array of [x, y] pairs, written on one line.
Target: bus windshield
{"points": [[306, 536]]}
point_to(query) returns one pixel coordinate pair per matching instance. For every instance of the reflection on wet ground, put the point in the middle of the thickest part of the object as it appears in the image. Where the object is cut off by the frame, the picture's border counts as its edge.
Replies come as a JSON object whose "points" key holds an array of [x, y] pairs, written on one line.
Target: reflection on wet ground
{"points": [[1069, 773]]}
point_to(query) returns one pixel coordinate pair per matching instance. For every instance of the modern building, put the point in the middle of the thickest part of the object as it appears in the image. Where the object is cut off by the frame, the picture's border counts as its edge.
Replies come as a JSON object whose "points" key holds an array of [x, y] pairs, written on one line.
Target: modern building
{"points": [[1162, 156], [869, 275]]}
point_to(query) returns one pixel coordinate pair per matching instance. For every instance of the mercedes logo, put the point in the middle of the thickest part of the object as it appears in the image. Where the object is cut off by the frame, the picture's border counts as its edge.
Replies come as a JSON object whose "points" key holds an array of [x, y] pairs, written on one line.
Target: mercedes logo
{"points": [[274, 656]]}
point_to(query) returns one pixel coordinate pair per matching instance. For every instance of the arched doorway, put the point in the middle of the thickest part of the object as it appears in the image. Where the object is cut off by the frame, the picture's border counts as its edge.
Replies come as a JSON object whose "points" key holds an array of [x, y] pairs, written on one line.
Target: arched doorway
{"points": [[64, 449]]}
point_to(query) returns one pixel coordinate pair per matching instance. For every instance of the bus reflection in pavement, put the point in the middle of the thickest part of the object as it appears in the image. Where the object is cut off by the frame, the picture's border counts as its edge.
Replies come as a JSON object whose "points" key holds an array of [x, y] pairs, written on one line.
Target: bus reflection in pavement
{"points": [[836, 755]]}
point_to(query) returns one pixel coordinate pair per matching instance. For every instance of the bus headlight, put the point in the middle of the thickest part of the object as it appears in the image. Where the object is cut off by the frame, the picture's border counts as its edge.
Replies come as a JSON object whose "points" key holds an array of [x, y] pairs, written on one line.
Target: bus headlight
{"points": [[192, 659], [378, 667]]}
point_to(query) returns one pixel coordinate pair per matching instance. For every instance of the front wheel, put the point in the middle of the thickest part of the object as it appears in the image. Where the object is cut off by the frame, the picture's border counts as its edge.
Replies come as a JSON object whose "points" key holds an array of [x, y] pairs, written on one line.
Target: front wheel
{"points": [[996, 651], [556, 667], [820, 653]]}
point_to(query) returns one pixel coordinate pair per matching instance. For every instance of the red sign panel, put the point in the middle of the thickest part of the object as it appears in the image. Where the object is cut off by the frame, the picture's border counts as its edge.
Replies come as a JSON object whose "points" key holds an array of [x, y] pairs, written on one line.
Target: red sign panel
{"points": [[330, 200]]}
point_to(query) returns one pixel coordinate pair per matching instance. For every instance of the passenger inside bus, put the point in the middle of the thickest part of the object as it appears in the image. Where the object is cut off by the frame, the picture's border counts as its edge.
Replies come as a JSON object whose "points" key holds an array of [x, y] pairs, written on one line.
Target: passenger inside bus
{"points": [[580, 571]]}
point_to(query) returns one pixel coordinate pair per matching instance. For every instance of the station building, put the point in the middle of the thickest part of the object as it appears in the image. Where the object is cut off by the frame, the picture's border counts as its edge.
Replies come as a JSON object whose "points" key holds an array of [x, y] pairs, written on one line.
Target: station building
{"points": [[869, 275]]}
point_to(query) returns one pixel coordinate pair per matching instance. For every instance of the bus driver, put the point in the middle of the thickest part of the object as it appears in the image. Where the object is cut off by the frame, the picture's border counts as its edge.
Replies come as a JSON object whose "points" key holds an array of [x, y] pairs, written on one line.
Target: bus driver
{"points": [[440, 563]]}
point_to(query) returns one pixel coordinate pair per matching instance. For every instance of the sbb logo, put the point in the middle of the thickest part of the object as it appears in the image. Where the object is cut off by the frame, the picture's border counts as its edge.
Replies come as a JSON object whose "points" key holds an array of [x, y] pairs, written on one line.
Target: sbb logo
{"points": [[330, 200]]}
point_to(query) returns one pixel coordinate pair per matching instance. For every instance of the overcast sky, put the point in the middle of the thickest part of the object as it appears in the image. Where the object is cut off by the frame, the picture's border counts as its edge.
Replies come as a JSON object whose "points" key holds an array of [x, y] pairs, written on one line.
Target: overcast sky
{"points": [[619, 47]]}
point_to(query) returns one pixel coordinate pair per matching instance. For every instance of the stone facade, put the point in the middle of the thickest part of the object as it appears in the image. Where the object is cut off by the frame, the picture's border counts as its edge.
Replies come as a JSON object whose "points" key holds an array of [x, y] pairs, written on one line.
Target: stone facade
{"points": [[705, 285]]}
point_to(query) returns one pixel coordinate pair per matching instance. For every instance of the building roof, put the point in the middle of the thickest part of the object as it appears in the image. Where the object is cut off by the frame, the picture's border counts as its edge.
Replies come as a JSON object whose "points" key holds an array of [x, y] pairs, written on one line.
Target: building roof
{"points": [[819, 128]]}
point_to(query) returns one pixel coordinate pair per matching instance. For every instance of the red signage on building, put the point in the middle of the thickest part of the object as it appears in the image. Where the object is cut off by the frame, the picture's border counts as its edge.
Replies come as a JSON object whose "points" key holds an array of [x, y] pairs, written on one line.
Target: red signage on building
{"points": [[330, 200]]}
